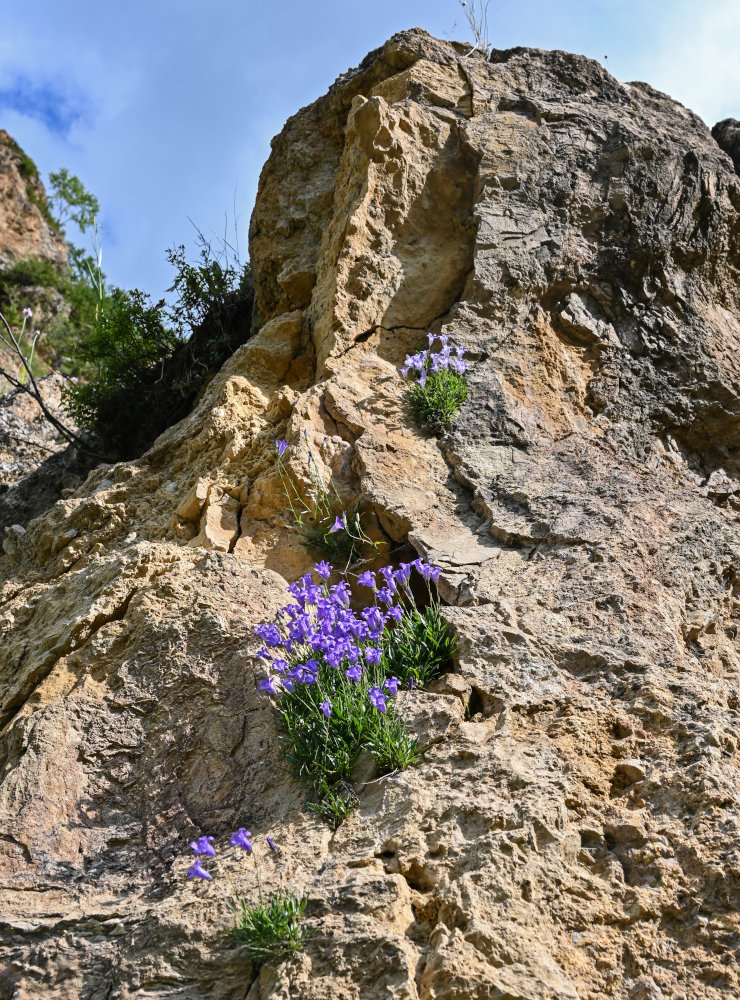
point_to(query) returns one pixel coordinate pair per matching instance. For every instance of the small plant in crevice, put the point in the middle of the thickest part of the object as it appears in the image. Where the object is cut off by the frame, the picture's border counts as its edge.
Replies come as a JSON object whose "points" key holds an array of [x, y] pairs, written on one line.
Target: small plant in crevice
{"points": [[334, 673], [327, 528], [269, 930], [441, 388]]}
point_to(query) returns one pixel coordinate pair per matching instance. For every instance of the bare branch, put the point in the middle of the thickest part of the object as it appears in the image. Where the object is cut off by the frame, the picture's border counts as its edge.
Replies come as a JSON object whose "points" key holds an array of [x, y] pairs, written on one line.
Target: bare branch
{"points": [[31, 389]]}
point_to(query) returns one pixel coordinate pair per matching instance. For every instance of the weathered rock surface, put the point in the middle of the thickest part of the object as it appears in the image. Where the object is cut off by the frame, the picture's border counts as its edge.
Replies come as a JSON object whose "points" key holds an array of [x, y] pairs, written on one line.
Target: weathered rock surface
{"points": [[573, 831], [727, 134]]}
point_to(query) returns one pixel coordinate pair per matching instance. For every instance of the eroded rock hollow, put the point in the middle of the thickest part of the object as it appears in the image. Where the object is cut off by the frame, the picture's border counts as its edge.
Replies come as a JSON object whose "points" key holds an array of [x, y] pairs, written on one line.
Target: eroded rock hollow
{"points": [[572, 832]]}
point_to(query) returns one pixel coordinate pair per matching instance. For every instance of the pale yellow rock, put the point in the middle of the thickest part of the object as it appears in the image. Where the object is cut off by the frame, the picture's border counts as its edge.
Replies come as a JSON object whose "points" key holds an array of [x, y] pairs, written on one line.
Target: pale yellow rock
{"points": [[555, 223]]}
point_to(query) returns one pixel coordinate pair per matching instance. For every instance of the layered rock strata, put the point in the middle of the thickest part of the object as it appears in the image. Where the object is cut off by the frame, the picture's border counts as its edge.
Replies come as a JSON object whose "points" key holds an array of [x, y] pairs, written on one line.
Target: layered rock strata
{"points": [[572, 832]]}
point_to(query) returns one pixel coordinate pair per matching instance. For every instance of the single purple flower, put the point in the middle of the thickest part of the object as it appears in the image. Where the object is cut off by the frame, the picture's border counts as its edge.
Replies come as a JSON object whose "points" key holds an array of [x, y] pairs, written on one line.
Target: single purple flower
{"points": [[27, 313], [391, 685], [411, 682], [377, 699], [385, 595], [395, 613], [372, 655], [198, 871], [271, 844], [325, 707], [431, 337], [340, 524], [366, 579], [434, 572], [241, 839], [323, 569], [354, 673], [269, 684], [204, 846], [281, 447]]}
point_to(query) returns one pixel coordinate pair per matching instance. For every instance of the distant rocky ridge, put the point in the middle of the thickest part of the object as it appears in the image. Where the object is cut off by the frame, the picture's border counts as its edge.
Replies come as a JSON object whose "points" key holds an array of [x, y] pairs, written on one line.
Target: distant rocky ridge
{"points": [[572, 833], [25, 229]]}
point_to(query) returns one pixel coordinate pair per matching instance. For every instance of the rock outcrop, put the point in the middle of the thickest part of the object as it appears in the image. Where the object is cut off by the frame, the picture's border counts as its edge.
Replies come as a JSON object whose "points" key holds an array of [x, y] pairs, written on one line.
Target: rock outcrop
{"points": [[572, 832], [25, 232], [727, 134]]}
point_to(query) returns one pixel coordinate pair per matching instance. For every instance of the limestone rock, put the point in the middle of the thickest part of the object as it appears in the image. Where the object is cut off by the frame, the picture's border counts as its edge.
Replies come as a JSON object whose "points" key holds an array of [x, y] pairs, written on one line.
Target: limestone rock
{"points": [[572, 830]]}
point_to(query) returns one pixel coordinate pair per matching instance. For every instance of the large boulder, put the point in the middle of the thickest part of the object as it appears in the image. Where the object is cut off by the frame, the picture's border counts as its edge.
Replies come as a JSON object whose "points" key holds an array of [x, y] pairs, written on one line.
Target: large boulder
{"points": [[572, 831]]}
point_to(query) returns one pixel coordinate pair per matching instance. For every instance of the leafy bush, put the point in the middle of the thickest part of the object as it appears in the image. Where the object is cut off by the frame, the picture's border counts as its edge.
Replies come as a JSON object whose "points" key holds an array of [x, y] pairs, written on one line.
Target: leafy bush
{"points": [[128, 339], [272, 930], [441, 388], [327, 667], [148, 362]]}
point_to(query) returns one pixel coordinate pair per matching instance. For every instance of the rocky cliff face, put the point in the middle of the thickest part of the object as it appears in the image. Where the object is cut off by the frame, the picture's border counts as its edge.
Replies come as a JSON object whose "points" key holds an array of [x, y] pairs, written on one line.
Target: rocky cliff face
{"points": [[573, 830], [24, 231]]}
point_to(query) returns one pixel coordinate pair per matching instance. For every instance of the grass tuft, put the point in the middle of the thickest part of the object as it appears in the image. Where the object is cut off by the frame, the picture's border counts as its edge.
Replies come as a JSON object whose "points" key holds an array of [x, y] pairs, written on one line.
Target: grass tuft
{"points": [[437, 401], [273, 930]]}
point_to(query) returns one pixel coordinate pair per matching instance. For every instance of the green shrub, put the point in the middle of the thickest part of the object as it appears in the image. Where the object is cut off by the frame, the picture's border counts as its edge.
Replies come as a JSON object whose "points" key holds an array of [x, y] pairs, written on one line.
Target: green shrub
{"points": [[147, 361], [129, 338]]}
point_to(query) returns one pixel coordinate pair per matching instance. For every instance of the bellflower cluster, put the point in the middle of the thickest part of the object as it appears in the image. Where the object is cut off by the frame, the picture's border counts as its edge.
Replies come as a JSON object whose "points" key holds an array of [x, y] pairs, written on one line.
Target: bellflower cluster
{"points": [[335, 661], [428, 361], [440, 388], [204, 847], [321, 628]]}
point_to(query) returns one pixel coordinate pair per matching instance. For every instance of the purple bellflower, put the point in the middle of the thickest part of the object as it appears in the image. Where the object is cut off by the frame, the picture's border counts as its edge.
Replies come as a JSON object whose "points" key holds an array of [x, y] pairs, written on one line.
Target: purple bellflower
{"points": [[197, 870], [241, 839], [204, 846], [377, 699]]}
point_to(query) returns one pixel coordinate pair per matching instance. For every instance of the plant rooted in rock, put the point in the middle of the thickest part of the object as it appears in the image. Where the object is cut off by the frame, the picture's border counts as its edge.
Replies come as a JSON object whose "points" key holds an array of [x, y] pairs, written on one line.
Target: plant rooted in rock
{"points": [[441, 388], [335, 672], [328, 529], [271, 931], [268, 930]]}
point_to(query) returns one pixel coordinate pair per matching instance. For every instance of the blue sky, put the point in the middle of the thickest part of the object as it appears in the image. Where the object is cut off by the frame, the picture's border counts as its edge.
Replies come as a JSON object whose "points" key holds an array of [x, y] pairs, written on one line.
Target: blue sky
{"points": [[165, 108]]}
